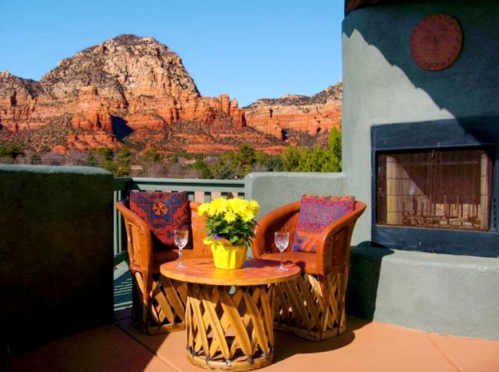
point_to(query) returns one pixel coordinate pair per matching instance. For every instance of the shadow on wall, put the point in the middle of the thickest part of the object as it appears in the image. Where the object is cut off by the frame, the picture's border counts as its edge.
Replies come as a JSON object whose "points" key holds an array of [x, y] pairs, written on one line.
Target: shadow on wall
{"points": [[384, 85], [468, 88], [363, 279], [56, 253]]}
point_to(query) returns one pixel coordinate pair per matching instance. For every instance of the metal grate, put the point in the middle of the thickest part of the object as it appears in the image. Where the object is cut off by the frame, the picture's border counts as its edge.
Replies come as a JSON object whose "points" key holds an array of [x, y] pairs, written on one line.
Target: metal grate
{"points": [[437, 188]]}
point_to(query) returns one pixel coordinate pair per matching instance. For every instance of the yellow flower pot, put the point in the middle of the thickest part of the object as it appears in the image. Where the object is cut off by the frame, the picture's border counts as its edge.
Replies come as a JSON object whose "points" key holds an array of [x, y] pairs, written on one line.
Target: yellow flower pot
{"points": [[229, 256]]}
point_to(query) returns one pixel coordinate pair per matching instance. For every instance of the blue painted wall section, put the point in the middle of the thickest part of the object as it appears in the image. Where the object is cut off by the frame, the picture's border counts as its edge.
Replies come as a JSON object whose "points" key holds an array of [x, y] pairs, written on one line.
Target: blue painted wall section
{"points": [[455, 295]]}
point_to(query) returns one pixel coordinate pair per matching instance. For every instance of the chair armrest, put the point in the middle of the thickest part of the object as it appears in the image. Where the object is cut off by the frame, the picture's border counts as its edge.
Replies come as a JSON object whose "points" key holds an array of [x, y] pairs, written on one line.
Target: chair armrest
{"points": [[284, 219], [333, 248], [139, 242]]}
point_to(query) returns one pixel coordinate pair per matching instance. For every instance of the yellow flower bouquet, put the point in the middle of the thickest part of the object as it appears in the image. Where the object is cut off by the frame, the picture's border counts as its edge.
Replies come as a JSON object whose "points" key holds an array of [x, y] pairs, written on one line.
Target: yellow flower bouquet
{"points": [[230, 224]]}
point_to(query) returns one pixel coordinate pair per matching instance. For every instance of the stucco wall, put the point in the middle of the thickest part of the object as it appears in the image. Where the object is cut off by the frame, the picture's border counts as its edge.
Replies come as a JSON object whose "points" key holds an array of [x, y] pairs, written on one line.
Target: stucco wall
{"points": [[56, 252], [273, 190], [383, 85], [453, 295]]}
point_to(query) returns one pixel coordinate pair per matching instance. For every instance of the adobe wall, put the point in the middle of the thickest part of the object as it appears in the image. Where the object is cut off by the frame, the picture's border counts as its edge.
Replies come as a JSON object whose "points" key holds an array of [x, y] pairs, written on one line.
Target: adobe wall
{"points": [[455, 295], [56, 252], [273, 190], [438, 293], [383, 85]]}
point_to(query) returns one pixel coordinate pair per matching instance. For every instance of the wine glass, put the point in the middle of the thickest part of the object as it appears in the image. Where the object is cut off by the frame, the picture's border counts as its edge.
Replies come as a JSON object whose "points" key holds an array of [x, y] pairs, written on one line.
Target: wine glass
{"points": [[181, 239], [281, 241]]}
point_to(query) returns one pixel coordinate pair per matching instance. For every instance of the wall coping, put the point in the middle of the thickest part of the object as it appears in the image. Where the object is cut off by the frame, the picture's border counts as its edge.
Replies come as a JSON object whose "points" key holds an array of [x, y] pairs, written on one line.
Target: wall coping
{"points": [[54, 169]]}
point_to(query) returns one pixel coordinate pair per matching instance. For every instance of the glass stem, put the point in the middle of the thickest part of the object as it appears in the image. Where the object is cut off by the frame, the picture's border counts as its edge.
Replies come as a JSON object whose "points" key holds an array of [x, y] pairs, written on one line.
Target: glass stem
{"points": [[281, 258], [180, 256]]}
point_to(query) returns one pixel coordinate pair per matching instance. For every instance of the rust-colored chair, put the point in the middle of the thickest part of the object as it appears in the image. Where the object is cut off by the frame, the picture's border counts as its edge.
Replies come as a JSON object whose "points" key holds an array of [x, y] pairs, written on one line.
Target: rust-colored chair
{"points": [[313, 306], [158, 302]]}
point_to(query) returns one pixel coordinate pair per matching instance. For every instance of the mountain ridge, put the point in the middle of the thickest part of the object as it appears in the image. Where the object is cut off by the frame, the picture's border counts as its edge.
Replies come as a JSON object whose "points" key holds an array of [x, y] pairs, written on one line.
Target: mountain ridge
{"points": [[130, 91]]}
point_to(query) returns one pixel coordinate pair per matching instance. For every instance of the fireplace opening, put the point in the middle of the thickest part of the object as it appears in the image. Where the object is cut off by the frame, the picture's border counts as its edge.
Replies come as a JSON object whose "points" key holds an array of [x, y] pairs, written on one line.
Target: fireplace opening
{"points": [[435, 188]]}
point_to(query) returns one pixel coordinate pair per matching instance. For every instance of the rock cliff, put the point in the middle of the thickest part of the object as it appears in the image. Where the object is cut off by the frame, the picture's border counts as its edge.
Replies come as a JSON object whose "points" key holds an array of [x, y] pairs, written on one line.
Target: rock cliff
{"points": [[134, 91], [123, 85], [313, 115]]}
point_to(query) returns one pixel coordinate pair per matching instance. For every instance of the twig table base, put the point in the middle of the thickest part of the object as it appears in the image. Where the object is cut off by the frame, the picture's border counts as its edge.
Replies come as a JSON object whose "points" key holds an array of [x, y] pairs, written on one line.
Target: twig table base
{"points": [[229, 313]]}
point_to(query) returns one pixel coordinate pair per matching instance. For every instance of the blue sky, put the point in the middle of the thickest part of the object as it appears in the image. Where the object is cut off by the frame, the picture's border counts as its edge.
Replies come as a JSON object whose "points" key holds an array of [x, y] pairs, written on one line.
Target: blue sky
{"points": [[248, 49]]}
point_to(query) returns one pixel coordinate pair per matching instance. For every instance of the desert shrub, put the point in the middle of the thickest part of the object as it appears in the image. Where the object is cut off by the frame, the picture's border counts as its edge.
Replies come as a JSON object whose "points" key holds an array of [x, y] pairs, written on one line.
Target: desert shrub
{"points": [[11, 150], [35, 159], [102, 157], [291, 157], [202, 167], [302, 159], [123, 162]]}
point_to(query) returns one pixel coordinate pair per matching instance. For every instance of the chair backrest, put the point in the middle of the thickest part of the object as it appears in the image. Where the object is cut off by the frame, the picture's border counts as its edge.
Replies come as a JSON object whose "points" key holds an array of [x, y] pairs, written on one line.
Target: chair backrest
{"points": [[139, 239], [333, 251]]}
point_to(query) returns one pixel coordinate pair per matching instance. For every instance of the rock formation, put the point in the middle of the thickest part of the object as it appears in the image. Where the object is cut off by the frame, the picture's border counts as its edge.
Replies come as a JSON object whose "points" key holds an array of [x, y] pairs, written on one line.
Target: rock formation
{"points": [[136, 92], [127, 82], [18, 99], [313, 115]]}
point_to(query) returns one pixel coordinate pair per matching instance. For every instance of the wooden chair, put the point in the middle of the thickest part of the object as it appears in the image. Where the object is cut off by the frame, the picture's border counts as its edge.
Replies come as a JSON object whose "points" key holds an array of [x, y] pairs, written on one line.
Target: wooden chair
{"points": [[313, 306], [158, 302]]}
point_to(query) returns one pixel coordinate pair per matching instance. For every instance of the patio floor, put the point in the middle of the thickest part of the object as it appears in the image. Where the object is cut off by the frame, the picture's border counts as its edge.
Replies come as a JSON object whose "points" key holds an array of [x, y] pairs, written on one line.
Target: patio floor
{"points": [[364, 347]]}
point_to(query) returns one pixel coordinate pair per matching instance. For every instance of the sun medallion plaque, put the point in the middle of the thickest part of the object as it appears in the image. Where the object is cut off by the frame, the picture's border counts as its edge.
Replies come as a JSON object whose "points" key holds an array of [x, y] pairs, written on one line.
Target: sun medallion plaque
{"points": [[436, 42]]}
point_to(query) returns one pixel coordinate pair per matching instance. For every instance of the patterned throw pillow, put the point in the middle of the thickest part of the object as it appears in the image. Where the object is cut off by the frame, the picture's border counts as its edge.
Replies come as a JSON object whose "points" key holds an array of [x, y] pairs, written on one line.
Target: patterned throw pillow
{"points": [[316, 212], [164, 212]]}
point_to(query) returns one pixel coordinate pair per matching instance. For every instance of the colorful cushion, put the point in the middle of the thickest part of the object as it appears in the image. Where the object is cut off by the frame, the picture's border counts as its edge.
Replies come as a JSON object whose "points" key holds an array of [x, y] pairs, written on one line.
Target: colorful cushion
{"points": [[164, 212], [316, 212]]}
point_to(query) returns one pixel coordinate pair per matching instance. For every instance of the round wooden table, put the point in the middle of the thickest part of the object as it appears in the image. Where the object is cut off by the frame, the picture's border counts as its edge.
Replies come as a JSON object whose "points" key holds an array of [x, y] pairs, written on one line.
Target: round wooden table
{"points": [[229, 313]]}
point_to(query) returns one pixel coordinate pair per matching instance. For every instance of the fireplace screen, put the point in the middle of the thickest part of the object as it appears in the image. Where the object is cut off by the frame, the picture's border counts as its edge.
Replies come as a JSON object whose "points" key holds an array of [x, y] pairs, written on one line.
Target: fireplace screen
{"points": [[443, 189]]}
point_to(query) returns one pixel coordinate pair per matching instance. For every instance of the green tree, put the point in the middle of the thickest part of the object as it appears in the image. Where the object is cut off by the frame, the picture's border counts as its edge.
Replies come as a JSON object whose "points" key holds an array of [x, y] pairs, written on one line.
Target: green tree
{"points": [[335, 151], [102, 157], [123, 162], [91, 160], [151, 155], [201, 165], [222, 171], [228, 166], [302, 159], [35, 159], [105, 154], [247, 156], [291, 157], [317, 160], [261, 157], [11, 150], [274, 164]]}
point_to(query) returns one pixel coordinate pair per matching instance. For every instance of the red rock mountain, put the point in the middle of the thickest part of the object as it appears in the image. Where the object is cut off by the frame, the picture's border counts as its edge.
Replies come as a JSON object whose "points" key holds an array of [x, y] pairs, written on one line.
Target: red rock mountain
{"points": [[133, 91], [313, 115]]}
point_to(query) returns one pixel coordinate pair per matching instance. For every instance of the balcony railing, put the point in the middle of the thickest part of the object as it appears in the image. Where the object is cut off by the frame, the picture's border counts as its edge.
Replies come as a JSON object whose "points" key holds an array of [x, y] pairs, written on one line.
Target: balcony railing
{"points": [[198, 190]]}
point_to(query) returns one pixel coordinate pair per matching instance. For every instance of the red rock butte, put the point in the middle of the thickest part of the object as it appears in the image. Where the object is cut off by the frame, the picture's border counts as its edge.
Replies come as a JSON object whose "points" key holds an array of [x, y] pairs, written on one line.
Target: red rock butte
{"points": [[136, 87]]}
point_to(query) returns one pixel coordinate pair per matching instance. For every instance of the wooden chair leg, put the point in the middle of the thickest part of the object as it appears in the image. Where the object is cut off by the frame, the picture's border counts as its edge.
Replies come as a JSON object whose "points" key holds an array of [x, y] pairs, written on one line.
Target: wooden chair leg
{"points": [[138, 313], [301, 309], [164, 309]]}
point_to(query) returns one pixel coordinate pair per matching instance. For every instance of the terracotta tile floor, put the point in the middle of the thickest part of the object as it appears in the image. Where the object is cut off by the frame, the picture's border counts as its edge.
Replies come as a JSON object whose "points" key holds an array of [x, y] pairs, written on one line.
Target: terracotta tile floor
{"points": [[364, 347]]}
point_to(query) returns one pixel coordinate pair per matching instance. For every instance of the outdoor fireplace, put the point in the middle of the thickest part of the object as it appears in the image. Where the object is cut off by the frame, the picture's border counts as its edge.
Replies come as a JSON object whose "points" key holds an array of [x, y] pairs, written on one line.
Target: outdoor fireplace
{"points": [[435, 187]]}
